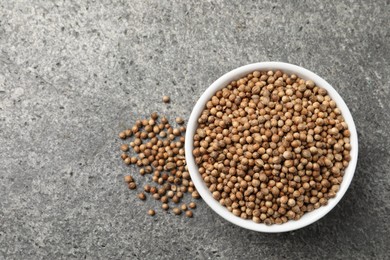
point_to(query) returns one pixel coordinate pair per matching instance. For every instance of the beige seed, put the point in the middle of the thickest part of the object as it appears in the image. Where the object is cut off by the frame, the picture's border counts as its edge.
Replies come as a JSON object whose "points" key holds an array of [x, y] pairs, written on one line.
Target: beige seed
{"points": [[132, 185], [192, 205], [176, 211], [122, 135], [166, 99], [179, 120], [141, 196], [128, 179], [189, 213], [195, 195], [124, 147]]}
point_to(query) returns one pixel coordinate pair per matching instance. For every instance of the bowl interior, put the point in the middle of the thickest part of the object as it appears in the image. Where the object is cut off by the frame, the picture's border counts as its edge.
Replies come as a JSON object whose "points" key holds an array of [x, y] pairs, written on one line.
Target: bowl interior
{"points": [[220, 83]]}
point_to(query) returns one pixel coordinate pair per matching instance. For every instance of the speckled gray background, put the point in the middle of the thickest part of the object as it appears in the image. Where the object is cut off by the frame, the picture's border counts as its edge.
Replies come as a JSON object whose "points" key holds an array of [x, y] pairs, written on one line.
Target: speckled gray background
{"points": [[75, 73]]}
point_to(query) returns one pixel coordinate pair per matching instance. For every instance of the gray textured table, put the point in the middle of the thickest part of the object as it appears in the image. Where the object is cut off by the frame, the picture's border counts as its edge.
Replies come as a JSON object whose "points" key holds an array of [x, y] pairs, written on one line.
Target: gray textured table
{"points": [[72, 75]]}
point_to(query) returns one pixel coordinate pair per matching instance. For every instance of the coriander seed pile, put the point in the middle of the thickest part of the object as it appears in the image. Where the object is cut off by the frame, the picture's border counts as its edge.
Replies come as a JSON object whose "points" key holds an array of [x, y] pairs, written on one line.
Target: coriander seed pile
{"points": [[158, 151], [272, 146]]}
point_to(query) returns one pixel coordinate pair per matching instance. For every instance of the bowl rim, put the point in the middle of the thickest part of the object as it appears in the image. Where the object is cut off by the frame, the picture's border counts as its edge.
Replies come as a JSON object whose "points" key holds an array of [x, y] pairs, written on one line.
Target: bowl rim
{"points": [[309, 217]]}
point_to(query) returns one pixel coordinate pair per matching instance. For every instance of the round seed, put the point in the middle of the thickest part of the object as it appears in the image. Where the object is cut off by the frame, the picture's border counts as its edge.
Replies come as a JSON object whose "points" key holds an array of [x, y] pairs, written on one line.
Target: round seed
{"points": [[166, 99], [128, 179], [122, 135], [179, 120], [141, 196], [132, 185], [192, 205], [195, 195], [124, 147], [189, 213], [176, 211]]}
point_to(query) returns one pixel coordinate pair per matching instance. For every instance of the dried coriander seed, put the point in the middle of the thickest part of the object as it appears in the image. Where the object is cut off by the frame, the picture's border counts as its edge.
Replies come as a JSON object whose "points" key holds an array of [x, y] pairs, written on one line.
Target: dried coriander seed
{"points": [[141, 196], [189, 213], [166, 99], [128, 132], [179, 120], [195, 195], [124, 147], [122, 135], [132, 185], [176, 211], [147, 188], [151, 212], [192, 205], [154, 116], [127, 161], [128, 179]]}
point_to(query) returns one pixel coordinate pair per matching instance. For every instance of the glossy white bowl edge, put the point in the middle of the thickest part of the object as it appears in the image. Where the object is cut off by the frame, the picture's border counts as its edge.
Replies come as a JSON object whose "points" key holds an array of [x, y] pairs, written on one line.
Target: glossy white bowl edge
{"points": [[307, 218]]}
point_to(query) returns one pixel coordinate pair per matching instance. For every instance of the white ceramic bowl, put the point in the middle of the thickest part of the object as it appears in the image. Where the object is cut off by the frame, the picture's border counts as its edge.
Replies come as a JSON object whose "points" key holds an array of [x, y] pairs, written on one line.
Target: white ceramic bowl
{"points": [[223, 81]]}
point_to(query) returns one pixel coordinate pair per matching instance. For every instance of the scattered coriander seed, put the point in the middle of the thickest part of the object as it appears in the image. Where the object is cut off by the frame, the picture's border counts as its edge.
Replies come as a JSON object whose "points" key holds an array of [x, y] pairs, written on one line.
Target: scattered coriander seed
{"points": [[183, 207], [195, 195], [127, 161], [128, 133], [132, 185], [164, 120], [165, 206], [189, 213], [153, 190], [175, 199], [142, 196], [192, 205], [176, 211], [166, 99], [170, 194], [151, 212], [154, 115], [179, 120], [164, 199], [124, 147], [147, 188], [122, 135], [128, 179]]}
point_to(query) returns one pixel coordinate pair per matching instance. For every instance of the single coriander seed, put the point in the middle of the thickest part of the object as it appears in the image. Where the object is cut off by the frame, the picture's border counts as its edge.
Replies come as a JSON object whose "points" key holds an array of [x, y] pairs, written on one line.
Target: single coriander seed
{"points": [[166, 99], [128, 179], [192, 205], [142, 196], [179, 120], [122, 135], [124, 147], [189, 213], [176, 211], [132, 185]]}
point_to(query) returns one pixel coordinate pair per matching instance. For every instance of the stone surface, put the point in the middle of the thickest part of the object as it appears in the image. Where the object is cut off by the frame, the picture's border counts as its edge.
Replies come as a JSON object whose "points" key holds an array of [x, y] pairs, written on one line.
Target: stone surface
{"points": [[75, 73]]}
